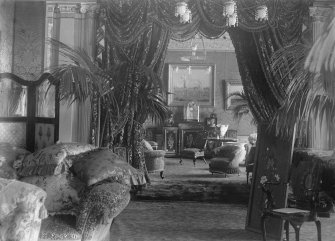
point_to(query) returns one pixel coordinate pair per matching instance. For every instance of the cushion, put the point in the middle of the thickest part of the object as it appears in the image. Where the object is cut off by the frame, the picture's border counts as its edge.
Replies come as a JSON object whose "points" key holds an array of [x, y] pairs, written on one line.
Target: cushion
{"points": [[98, 165], [192, 153], [223, 165], [154, 153], [51, 160], [229, 150], [8, 154], [147, 146], [63, 192], [74, 148]]}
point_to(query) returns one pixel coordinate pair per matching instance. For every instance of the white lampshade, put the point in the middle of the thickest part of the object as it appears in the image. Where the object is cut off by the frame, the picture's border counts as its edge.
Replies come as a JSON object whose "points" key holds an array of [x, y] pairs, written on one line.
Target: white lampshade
{"points": [[229, 8], [261, 13], [232, 20], [187, 17], [181, 8]]}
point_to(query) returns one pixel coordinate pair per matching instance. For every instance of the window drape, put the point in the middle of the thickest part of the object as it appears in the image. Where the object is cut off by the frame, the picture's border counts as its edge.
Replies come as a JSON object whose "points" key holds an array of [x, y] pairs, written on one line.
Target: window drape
{"points": [[139, 32]]}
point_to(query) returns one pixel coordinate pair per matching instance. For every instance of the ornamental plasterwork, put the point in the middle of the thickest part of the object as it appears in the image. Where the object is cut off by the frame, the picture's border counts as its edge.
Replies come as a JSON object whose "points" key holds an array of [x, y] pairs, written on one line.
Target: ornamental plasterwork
{"points": [[221, 44], [320, 13], [72, 7]]}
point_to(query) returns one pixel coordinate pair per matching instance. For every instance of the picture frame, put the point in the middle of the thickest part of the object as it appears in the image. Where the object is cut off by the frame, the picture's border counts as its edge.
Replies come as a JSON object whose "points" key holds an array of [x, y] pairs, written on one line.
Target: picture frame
{"points": [[211, 122], [191, 82], [232, 86]]}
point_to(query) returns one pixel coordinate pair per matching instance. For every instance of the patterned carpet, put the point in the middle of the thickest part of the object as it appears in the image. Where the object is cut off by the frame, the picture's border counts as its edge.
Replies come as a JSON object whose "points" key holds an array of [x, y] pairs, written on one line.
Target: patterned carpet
{"points": [[181, 221], [191, 204]]}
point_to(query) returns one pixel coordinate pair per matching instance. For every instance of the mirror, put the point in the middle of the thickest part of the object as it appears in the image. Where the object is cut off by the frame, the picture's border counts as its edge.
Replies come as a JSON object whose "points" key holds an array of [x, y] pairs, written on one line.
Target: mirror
{"points": [[13, 99]]}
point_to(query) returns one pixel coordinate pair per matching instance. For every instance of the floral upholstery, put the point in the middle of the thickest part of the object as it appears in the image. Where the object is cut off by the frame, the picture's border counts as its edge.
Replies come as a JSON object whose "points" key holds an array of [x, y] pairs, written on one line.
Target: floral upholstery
{"points": [[60, 227], [64, 191], [47, 161], [8, 154], [99, 202], [97, 165], [73, 148], [51, 160], [21, 210], [102, 203]]}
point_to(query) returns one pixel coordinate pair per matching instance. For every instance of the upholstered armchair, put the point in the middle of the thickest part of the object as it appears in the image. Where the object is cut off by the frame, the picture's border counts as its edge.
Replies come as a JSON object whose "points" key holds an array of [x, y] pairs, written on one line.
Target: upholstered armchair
{"points": [[154, 159], [21, 210], [227, 158]]}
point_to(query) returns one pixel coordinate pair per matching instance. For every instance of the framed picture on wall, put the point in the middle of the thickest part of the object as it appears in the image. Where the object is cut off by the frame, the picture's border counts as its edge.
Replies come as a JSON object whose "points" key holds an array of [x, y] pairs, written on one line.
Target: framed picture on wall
{"points": [[191, 82], [233, 86]]}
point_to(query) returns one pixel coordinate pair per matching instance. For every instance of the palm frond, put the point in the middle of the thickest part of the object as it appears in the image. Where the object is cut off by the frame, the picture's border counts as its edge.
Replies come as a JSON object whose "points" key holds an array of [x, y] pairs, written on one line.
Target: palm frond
{"points": [[322, 54], [78, 76], [242, 108]]}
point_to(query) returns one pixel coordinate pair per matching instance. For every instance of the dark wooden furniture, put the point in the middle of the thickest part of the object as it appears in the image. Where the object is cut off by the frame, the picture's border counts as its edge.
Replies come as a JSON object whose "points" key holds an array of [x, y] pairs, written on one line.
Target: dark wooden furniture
{"points": [[170, 136], [302, 202], [29, 111], [192, 138]]}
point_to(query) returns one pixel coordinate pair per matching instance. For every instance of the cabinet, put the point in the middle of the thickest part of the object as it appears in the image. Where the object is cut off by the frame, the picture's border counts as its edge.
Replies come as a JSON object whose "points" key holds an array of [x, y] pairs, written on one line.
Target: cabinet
{"points": [[170, 136], [191, 135]]}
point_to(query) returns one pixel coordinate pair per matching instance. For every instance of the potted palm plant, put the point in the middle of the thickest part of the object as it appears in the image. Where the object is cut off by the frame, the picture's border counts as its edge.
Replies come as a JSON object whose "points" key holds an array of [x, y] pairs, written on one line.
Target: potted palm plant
{"points": [[310, 70], [123, 103], [241, 109]]}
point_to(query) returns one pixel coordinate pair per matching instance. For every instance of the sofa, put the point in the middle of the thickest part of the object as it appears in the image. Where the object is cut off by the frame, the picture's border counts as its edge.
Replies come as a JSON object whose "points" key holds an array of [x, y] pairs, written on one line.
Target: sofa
{"points": [[86, 188], [21, 210]]}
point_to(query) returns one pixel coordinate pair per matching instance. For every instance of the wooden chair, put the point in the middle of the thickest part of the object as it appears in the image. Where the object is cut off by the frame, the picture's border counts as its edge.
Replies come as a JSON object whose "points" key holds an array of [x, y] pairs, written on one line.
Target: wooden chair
{"points": [[302, 207]]}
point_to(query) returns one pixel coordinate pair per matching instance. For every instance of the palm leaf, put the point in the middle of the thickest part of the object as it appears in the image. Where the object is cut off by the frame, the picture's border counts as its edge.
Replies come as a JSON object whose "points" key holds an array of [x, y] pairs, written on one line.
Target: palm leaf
{"points": [[242, 108], [79, 77]]}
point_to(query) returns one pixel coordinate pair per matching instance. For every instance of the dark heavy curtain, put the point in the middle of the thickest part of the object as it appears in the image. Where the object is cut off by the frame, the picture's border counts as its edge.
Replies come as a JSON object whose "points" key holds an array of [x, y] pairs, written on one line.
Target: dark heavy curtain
{"points": [[129, 39], [138, 31], [266, 90]]}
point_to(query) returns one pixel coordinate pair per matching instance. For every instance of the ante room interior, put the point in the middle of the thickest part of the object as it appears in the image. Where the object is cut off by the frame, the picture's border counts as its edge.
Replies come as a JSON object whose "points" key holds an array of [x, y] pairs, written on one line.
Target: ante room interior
{"points": [[168, 120]]}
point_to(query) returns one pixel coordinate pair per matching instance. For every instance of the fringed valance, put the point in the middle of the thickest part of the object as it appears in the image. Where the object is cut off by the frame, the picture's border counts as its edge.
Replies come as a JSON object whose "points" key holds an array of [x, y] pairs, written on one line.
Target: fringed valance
{"points": [[130, 24], [126, 20]]}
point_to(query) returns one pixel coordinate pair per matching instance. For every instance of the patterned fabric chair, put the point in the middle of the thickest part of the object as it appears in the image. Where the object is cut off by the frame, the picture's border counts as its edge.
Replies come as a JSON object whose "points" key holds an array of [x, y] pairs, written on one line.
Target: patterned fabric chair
{"points": [[227, 158], [21, 210], [154, 159]]}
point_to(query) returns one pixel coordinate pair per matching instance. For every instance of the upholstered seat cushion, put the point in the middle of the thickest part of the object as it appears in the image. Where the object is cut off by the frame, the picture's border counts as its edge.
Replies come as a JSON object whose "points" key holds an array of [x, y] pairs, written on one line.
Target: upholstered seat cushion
{"points": [[62, 228], [98, 165], [63, 192], [192, 152], [153, 144], [51, 160], [47, 161], [154, 153], [73, 148], [222, 165]]}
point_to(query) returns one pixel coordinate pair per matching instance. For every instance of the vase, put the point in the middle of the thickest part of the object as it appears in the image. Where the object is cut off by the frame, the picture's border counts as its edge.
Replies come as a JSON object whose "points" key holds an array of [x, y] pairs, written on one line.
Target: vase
{"points": [[223, 130]]}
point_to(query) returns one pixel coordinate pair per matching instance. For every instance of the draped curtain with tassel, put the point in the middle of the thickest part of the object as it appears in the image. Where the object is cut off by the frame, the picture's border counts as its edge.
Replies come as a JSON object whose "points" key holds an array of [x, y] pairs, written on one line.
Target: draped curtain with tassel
{"points": [[139, 32]]}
